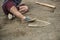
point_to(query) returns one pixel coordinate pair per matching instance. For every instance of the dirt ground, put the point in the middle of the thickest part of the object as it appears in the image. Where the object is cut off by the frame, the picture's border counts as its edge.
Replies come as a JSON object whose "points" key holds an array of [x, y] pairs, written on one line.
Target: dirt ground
{"points": [[15, 30]]}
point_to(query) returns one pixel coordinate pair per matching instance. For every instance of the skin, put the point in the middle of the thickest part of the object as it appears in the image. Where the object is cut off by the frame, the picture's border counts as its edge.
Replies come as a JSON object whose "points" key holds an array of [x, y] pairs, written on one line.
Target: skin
{"points": [[22, 9]]}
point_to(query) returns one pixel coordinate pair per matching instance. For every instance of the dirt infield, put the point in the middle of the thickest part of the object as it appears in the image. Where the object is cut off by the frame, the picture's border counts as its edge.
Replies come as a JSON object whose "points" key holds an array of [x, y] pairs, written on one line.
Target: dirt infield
{"points": [[15, 30]]}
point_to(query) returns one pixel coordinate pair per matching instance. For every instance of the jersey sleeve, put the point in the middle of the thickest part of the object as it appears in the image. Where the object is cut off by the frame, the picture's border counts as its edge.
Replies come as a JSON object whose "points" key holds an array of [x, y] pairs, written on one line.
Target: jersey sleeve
{"points": [[9, 4]]}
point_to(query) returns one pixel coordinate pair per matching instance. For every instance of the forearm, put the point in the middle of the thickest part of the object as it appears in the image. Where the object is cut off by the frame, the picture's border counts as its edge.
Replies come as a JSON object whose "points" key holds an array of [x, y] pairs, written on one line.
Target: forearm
{"points": [[14, 10]]}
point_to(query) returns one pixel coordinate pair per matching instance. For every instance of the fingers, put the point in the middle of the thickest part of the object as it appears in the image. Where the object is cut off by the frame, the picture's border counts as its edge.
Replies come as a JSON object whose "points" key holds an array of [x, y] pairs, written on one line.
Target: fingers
{"points": [[23, 9]]}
